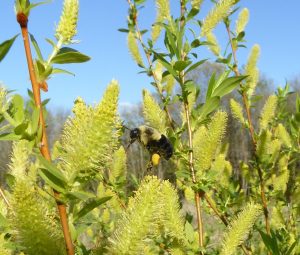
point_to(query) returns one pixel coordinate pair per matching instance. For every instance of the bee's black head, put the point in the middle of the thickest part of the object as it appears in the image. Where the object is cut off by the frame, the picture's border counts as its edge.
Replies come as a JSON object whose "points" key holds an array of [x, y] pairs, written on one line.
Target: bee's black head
{"points": [[134, 134]]}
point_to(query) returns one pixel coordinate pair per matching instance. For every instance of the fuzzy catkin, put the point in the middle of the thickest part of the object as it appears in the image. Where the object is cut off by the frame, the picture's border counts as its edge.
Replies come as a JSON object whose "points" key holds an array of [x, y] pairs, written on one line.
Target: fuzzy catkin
{"points": [[3, 246], [154, 210], [32, 218], [206, 141], [214, 47], [282, 134], [134, 48], [240, 228], [237, 111], [153, 114], [163, 13], [91, 136], [67, 25], [268, 112], [251, 70], [20, 159], [196, 4], [216, 15], [242, 21], [118, 168]]}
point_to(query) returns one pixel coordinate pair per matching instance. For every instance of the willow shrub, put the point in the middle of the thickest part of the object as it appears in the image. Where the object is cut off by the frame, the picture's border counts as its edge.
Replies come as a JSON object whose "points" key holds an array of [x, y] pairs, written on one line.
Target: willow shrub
{"points": [[89, 173]]}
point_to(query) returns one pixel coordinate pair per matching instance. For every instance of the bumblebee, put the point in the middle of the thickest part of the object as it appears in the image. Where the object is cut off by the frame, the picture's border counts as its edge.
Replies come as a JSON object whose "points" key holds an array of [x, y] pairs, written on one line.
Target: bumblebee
{"points": [[153, 140]]}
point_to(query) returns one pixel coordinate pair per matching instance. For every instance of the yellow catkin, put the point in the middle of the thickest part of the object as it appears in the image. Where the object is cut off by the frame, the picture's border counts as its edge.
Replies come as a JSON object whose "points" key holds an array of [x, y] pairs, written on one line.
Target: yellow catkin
{"points": [[282, 134], [3, 101], [91, 136], [277, 220], [251, 70], [20, 159], [237, 111], [242, 21], [196, 4], [189, 194], [169, 83], [216, 15], [118, 167], [206, 141], [67, 25], [268, 112], [134, 48], [214, 47], [153, 114], [239, 228]]}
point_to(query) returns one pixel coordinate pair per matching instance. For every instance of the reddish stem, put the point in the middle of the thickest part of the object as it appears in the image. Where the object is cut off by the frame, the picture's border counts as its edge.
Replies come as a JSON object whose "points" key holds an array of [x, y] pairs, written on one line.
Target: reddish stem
{"points": [[44, 148]]}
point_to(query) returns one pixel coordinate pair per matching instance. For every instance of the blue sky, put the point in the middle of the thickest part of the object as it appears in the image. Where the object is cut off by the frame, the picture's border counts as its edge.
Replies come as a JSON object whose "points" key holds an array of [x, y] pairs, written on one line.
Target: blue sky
{"points": [[274, 25]]}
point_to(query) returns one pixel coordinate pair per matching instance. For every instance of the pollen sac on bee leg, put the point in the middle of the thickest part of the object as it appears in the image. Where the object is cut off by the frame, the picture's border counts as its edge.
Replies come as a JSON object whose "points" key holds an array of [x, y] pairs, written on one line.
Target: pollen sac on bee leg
{"points": [[155, 159]]}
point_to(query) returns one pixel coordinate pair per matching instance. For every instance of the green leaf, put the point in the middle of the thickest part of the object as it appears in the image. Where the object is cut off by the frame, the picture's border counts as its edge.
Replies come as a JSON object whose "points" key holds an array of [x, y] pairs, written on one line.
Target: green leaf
{"points": [[181, 65], [82, 195], [5, 47], [211, 85], [90, 206], [34, 124], [209, 106], [166, 65], [36, 47], [228, 85], [270, 242], [51, 168], [196, 43], [58, 70], [192, 67], [9, 137], [52, 180], [20, 129], [123, 30], [193, 12], [68, 55], [18, 108], [51, 42], [189, 231]]}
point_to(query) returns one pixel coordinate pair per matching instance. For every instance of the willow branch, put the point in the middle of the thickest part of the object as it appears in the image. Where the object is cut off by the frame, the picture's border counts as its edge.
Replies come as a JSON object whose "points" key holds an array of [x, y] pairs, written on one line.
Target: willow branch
{"points": [[198, 195], [44, 148], [252, 133]]}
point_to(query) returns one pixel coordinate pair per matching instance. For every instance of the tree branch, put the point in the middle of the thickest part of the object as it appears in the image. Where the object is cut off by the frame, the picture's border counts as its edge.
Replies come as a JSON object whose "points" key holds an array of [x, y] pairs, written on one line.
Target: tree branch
{"points": [[252, 133], [44, 148]]}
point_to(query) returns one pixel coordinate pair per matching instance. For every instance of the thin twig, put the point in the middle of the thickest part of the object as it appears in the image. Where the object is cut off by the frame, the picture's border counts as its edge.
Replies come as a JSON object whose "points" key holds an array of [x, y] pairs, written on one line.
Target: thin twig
{"points": [[252, 134], [198, 196], [44, 148], [4, 198]]}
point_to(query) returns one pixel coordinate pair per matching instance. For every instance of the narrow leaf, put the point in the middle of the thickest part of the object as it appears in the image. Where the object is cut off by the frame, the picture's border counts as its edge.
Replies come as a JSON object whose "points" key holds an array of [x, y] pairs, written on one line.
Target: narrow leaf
{"points": [[70, 57], [209, 106], [58, 70], [51, 168], [228, 85], [194, 66], [90, 206], [181, 65], [36, 47], [9, 137], [211, 85], [5, 47], [54, 182]]}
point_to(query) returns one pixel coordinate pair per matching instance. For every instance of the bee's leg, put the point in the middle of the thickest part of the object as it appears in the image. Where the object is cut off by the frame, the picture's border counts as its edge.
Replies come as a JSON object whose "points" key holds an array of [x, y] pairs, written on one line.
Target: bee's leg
{"points": [[149, 167]]}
